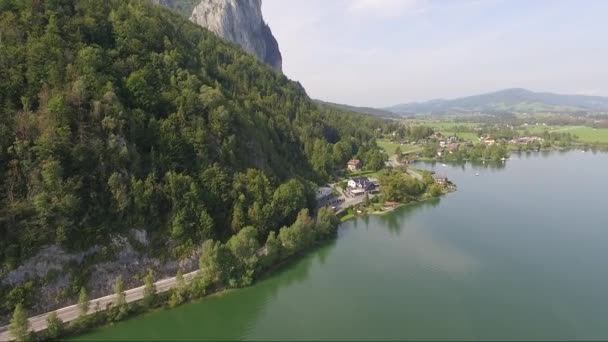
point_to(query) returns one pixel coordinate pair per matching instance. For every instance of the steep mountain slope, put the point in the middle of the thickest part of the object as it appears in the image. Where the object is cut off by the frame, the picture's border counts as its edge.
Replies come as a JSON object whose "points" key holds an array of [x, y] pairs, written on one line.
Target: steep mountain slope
{"points": [[509, 100], [129, 135], [241, 22], [183, 7]]}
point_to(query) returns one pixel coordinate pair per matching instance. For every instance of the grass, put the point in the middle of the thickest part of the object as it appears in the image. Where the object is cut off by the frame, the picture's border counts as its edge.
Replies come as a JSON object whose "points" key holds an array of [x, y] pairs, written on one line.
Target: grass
{"points": [[590, 135], [347, 217], [447, 128], [367, 173], [445, 125], [389, 146], [585, 134], [466, 136]]}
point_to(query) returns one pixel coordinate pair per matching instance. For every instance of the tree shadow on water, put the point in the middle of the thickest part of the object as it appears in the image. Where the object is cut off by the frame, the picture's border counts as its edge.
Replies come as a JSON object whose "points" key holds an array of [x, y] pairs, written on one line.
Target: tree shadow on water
{"points": [[397, 220]]}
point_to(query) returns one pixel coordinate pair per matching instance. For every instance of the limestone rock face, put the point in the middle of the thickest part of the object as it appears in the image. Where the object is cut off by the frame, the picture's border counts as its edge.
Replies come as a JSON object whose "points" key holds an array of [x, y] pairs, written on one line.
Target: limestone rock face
{"points": [[241, 22]]}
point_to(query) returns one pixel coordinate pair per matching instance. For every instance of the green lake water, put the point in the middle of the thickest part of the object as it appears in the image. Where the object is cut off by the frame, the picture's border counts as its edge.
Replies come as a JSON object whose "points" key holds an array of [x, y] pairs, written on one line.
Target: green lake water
{"points": [[519, 252]]}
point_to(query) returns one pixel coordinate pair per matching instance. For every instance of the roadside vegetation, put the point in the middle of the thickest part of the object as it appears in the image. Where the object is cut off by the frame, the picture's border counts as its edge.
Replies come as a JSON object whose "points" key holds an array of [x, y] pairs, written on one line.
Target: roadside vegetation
{"points": [[234, 264], [120, 115]]}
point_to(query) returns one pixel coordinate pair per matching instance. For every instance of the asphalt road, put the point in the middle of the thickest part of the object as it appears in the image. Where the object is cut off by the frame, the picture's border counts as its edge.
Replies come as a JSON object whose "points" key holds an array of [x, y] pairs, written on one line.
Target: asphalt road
{"points": [[70, 313]]}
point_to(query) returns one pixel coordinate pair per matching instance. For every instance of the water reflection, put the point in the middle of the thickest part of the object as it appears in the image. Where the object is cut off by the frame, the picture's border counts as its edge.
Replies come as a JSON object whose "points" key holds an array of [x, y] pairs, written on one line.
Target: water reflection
{"points": [[478, 164], [325, 251], [492, 165], [395, 222]]}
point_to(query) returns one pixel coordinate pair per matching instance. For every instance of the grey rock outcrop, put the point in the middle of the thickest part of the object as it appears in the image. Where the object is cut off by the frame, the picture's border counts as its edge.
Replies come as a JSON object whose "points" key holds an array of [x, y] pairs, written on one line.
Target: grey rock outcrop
{"points": [[241, 22], [51, 266]]}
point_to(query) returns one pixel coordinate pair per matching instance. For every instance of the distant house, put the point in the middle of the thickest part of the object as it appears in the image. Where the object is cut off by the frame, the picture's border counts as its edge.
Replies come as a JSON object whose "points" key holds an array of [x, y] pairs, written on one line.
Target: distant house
{"points": [[354, 164], [487, 141], [440, 179], [453, 147], [361, 183]]}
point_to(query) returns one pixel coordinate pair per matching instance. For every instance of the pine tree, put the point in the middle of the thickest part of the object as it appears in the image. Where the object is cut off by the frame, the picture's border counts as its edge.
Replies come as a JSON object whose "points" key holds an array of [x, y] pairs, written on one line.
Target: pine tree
{"points": [[120, 301], [54, 326], [178, 295], [19, 327], [83, 302], [149, 290]]}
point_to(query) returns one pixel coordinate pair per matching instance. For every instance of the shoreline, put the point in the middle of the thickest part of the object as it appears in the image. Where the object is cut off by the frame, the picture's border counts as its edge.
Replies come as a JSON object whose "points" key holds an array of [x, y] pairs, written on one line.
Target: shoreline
{"points": [[99, 316], [102, 309], [452, 188]]}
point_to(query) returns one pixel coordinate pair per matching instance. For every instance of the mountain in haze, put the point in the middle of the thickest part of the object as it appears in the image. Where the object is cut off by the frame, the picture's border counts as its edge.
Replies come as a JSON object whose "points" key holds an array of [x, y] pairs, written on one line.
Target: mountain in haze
{"points": [[509, 100], [363, 110], [238, 21]]}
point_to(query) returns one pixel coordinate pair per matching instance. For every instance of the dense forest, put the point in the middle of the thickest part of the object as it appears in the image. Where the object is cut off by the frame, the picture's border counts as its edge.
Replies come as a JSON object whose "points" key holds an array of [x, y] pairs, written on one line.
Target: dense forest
{"points": [[119, 114]]}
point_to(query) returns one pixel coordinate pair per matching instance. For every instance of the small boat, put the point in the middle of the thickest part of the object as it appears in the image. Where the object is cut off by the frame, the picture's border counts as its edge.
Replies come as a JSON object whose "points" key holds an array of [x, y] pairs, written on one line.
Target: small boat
{"points": [[443, 165], [503, 159], [477, 174]]}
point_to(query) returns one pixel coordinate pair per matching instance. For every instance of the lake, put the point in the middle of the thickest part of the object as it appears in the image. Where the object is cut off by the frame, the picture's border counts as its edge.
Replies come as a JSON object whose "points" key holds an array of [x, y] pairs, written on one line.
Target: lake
{"points": [[517, 253]]}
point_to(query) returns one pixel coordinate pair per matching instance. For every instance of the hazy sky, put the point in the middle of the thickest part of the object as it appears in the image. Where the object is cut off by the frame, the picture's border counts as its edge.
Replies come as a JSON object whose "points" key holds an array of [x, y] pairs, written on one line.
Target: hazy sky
{"points": [[384, 52]]}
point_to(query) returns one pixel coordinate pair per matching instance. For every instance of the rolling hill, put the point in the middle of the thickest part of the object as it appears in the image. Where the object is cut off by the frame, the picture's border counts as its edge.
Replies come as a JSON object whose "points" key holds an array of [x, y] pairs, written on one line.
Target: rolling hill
{"points": [[382, 113], [509, 100]]}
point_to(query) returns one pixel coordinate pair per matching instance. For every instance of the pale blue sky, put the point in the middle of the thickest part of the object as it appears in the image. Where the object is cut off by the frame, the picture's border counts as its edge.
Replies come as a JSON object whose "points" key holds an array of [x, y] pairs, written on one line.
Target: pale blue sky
{"points": [[384, 52]]}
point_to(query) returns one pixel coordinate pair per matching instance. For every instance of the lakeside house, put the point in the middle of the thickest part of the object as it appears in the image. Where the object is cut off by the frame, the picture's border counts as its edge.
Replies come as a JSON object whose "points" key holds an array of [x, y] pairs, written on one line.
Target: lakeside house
{"points": [[487, 141], [450, 144], [354, 165], [437, 135], [440, 179], [360, 185]]}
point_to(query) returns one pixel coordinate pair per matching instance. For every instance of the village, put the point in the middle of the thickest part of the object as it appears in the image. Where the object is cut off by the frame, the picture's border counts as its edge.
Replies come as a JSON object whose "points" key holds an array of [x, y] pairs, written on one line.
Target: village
{"points": [[438, 146]]}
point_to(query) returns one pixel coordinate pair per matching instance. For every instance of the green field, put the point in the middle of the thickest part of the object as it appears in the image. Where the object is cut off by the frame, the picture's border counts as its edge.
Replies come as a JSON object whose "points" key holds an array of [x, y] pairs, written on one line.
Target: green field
{"points": [[364, 173], [591, 135], [444, 125], [466, 136], [389, 146], [447, 128], [585, 134]]}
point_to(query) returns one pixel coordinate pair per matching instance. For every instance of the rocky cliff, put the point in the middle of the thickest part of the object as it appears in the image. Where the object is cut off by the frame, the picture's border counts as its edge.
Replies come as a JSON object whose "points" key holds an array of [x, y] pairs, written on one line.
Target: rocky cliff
{"points": [[241, 22]]}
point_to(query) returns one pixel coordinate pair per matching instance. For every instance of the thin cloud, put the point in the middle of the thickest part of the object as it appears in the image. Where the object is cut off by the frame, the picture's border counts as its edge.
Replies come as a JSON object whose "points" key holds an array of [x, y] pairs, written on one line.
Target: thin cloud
{"points": [[387, 7]]}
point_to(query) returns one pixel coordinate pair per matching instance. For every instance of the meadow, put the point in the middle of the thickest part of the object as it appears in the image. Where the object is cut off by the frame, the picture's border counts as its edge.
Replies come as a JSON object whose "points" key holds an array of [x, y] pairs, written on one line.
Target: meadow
{"points": [[585, 134]]}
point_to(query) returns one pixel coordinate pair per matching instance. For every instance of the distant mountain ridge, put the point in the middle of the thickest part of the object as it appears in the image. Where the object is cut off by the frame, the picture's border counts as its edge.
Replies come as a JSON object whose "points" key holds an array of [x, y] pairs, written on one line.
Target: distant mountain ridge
{"points": [[363, 110], [508, 100]]}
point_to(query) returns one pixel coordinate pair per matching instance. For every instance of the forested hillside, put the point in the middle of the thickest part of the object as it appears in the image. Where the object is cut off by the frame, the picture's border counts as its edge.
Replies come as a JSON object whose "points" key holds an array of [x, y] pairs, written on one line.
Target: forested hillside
{"points": [[118, 114]]}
